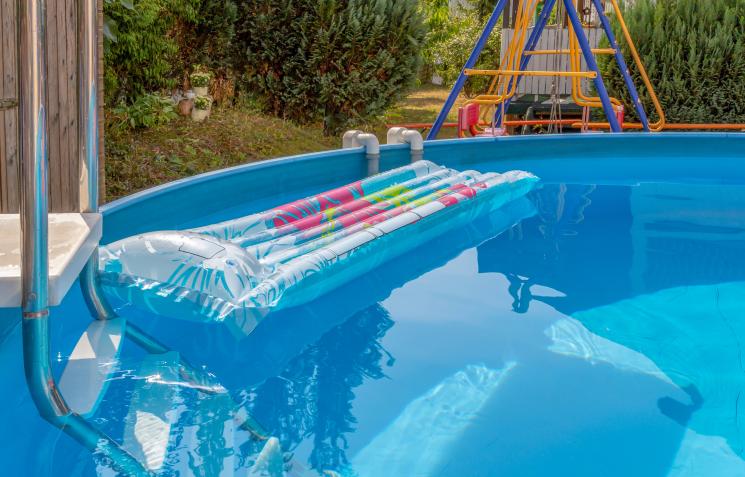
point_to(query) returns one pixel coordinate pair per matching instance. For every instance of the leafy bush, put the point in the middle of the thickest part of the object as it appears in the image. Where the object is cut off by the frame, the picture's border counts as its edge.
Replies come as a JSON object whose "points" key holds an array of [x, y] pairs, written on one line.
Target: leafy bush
{"points": [[207, 39], [140, 55], [150, 45], [694, 52], [451, 51], [147, 111], [341, 61]]}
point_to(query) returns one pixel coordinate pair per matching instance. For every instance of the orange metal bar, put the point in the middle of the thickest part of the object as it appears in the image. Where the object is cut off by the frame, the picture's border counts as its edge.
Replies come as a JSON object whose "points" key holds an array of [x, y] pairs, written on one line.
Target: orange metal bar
{"points": [[671, 126], [540, 122], [578, 125], [518, 122], [575, 74]]}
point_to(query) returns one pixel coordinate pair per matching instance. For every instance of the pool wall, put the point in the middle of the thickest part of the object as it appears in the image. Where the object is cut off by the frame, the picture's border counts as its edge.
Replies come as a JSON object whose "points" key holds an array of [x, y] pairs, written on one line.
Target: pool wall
{"points": [[562, 158]]}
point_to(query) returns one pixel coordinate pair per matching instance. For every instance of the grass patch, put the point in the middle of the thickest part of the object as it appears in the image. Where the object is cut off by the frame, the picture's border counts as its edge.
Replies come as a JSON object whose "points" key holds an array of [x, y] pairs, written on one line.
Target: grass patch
{"points": [[140, 159]]}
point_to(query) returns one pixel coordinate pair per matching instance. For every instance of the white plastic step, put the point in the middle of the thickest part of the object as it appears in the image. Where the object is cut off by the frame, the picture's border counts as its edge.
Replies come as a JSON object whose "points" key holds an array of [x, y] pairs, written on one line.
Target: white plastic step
{"points": [[95, 357], [270, 462], [162, 431], [72, 240]]}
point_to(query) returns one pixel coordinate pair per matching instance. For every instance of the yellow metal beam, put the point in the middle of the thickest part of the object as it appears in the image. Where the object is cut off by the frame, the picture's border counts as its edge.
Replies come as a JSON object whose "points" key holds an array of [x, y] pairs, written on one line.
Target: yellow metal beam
{"points": [[576, 74], [597, 51]]}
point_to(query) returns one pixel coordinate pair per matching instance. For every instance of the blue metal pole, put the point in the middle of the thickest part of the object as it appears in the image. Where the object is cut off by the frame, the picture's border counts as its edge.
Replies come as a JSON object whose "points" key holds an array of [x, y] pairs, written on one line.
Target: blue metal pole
{"points": [[622, 65], [610, 113], [458, 86], [535, 35]]}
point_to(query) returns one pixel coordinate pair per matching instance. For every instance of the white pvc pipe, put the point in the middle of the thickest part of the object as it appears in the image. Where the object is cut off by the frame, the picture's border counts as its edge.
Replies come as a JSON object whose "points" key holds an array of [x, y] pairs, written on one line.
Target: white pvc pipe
{"points": [[371, 144], [394, 135], [414, 139], [349, 140]]}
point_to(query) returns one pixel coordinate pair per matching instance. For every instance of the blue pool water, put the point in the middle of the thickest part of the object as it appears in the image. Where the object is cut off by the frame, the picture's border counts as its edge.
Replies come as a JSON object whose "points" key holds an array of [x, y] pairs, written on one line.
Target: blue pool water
{"points": [[594, 328]]}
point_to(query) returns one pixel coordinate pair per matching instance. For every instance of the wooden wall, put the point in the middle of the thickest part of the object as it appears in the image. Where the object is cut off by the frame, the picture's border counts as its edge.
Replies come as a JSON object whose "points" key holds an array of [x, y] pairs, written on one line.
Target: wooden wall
{"points": [[62, 106], [8, 111]]}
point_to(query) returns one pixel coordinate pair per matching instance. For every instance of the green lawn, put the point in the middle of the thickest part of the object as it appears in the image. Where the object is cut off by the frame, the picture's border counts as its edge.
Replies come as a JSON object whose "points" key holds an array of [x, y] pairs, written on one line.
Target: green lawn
{"points": [[231, 136]]}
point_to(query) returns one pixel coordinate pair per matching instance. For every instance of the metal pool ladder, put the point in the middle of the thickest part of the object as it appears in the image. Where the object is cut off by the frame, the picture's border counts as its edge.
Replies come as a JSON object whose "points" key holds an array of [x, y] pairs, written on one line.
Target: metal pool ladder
{"points": [[69, 403], [35, 231]]}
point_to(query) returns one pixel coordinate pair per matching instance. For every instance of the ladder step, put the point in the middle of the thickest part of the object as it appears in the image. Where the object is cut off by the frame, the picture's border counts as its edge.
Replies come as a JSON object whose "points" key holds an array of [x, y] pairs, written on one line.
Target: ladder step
{"points": [[270, 462], [93, 360], [173, 419]]}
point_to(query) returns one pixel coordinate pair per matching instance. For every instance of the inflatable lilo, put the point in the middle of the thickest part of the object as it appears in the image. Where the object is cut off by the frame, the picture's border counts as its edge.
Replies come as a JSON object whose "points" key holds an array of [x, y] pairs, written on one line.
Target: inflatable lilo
{"points": [[287, 256]]}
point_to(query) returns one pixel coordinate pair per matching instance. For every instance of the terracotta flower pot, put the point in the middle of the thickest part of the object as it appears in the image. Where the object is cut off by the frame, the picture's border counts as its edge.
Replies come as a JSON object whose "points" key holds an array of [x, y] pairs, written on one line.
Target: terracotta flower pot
{"points": [[185, 106]]}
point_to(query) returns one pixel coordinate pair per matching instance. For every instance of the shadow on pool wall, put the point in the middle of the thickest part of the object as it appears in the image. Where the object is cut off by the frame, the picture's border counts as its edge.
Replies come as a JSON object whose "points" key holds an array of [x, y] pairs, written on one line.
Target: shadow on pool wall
{"points": [[641, 243]]}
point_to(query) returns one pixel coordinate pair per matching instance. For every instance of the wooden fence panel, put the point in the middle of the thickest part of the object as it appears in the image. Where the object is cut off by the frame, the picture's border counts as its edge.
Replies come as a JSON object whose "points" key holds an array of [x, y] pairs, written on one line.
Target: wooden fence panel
{"points": [[9, 166], [62, 105]]}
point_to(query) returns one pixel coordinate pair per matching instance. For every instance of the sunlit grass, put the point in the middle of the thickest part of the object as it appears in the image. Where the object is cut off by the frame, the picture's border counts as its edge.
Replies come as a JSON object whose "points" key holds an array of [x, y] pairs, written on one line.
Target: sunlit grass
{"points": [[231, 136]]}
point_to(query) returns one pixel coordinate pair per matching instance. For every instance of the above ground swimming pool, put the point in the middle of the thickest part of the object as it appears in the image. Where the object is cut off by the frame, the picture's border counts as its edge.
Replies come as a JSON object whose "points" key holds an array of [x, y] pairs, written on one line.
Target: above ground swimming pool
{"points": [[593, 327]]}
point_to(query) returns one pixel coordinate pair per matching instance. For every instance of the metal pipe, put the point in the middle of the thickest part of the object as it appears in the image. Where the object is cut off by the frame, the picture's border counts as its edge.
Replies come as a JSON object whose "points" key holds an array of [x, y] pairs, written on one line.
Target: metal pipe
{"points": [[610, 112], [596, 51], [88, 147], [34, 166], [470, 63], [144, 341], [658, 126], [87, 105], [572, 74], [34, 242], [677, 126], [93, 295], [622, 66], [52, 406]]}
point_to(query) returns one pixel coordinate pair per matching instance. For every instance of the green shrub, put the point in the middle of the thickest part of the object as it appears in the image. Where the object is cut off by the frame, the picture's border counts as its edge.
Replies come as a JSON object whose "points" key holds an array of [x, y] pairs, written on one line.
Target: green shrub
{"points": [[147, 111], [694, 52], [140, 54], [341, 61], [207, 39], [150, 45]]}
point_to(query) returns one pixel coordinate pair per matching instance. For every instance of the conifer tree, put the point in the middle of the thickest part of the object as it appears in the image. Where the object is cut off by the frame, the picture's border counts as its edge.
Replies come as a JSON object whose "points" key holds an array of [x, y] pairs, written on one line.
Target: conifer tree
{"points": [[694, 52]]}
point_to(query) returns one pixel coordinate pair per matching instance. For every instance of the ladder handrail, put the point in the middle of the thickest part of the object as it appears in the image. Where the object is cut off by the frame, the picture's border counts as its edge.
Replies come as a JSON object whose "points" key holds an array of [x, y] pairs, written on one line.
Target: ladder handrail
{"points": [[35, 241]]}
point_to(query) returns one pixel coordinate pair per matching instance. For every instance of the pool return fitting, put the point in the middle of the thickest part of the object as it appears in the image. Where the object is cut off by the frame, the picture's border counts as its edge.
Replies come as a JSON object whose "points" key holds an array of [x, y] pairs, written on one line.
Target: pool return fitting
{"points": [[356, 138], [401, 135]]}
